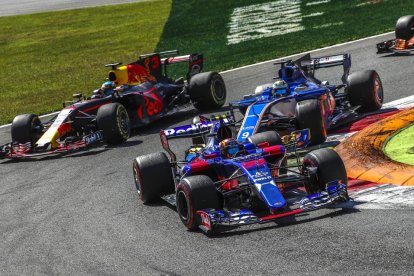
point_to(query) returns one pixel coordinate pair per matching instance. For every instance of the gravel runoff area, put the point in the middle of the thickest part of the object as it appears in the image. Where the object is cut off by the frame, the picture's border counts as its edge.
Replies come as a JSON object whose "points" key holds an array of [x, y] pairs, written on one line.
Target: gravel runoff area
{"points": [[364, 157]]}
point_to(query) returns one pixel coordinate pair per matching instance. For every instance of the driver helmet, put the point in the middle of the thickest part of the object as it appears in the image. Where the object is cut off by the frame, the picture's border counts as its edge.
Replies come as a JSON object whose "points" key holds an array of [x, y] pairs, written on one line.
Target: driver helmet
{"points": [[280, 88], [108, 85], [228, 147]]}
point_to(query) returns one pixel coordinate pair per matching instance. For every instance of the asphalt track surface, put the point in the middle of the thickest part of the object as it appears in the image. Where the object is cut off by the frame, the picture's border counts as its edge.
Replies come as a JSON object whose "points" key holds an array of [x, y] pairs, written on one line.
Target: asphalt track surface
{"points": [[80, 214], [15, 7]]}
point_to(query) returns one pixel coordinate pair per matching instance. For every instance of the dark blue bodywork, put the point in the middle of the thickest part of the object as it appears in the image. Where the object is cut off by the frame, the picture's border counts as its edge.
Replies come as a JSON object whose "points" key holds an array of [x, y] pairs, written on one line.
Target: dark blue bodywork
{"points": [[299, 75], [257, 171]]}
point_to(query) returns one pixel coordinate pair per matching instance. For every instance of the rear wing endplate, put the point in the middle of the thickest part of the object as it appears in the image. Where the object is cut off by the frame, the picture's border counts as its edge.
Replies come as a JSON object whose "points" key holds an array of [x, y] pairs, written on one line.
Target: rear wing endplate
{"points": [[195, 63], [313, 64]]}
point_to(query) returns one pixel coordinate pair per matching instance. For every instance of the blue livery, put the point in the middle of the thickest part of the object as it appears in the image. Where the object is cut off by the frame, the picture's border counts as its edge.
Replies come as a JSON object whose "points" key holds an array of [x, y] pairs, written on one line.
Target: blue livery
{"points": [[223, 183], [307, 102]]}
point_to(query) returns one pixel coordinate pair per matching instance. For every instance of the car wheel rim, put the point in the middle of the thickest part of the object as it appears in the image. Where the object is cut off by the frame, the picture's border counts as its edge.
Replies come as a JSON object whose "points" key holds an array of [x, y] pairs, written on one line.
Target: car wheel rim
{"points": [[378, 91], [137, 179], [218, 90], [36, 129], [124, 122], [182, 206]]}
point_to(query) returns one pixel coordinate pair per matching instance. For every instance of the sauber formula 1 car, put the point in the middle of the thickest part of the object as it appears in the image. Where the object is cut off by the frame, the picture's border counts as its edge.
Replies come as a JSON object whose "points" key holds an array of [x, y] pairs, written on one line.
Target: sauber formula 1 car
{"points": [[404, 38], [219, 186], [298, 100], [135, 94]]}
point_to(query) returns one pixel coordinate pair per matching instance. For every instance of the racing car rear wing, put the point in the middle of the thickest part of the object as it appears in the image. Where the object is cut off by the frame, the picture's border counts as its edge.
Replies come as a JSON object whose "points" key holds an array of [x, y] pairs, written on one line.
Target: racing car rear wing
{"points": [[192, 130], [165, 53], [309, 65], [198, 129], [148, 67], [195, 61]]}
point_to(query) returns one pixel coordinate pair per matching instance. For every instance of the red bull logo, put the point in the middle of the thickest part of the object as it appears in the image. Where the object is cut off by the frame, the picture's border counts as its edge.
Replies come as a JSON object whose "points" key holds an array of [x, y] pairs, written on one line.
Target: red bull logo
{"points": [[135, 73], [138, 73]]}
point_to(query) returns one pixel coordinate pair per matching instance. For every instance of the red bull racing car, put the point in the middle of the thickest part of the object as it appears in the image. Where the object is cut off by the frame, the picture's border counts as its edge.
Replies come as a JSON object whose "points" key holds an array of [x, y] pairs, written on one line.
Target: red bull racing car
{"points": [[404, 38], [222, 183], [135, 94]]}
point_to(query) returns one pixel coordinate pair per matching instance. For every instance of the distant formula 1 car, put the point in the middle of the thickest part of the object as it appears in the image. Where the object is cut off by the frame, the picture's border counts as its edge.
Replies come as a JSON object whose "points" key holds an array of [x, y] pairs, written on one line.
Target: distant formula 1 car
{"points": [[226, 184], [404, 38], [135, 95], [298, 100]]}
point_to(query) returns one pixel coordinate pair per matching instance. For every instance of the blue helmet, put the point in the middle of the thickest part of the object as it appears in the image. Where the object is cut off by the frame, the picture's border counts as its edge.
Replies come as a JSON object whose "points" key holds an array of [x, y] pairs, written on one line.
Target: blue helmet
{"points": [[108, 85]]}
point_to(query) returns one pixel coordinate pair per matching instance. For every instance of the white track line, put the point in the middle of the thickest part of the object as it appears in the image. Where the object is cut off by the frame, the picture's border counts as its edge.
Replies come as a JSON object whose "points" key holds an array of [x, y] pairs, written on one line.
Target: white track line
{"points": [[272, 60], [311, 51], [380, 197]]}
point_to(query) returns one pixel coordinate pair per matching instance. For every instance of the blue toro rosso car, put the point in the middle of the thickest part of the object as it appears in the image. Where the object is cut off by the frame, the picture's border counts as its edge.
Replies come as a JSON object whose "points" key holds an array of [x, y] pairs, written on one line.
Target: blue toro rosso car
{"points": [[223, 183], [298, 100]]}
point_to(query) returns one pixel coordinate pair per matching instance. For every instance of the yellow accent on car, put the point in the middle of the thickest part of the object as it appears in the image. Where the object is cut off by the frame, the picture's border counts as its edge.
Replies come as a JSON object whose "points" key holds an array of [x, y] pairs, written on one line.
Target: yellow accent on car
{"points": [[119, 75]]}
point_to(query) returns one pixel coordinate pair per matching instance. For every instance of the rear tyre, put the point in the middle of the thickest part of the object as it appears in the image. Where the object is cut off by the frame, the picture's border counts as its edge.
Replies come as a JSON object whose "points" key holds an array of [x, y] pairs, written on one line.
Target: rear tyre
{"points": [[272, 137], [113, 120], [153, 176], [365, 89], [309, 115], [207, 91], [330, 167], [404, 28], [195, 193], [26, 128]]}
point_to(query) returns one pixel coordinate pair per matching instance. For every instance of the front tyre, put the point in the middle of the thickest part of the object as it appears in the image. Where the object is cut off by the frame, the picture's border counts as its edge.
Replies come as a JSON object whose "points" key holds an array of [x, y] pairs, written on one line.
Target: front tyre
{"points": [[26, 128], [404, 29], [113, 120], [329, 167], [207, 91], [271, 137], [195, 193], [365, 89], [153, 176], [309, 115]]}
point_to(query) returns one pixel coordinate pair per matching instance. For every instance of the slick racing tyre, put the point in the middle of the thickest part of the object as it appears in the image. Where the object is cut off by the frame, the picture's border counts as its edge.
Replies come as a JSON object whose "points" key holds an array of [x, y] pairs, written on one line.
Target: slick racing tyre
{"points": [[195, 193], [404, 28], [309, 115], [272, 137], [153, 176], [365, 89], [113, 120], [329, 166], [207, 91], [26, 128]]}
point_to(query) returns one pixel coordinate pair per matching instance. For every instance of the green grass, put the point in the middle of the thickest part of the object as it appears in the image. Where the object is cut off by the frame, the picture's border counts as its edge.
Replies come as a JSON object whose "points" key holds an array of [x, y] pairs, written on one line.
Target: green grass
{"points": [[400, 147], [46, 57], [204, 27]]}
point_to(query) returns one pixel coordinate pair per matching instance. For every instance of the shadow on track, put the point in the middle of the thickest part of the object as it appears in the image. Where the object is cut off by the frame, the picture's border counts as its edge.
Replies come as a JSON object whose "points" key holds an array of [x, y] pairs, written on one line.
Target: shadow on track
{"points": [[282, 222]]}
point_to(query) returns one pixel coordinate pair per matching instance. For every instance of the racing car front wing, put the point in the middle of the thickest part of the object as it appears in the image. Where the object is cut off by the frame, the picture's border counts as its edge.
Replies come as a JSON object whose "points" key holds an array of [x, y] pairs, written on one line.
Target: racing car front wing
{"points": [[211, 219], [26, 150]]}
